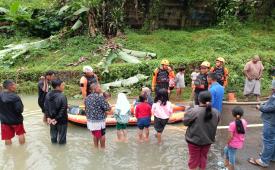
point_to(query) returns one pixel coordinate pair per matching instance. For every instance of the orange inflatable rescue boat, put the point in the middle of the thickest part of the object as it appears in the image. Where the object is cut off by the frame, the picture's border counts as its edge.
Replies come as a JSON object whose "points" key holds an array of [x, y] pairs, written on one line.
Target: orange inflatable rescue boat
{"points": [[76, 114]]}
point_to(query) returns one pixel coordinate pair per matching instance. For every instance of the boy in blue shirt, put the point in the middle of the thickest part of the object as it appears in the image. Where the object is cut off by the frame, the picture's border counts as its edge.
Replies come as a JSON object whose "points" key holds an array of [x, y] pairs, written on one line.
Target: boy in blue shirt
{"points": [[216, 90]]}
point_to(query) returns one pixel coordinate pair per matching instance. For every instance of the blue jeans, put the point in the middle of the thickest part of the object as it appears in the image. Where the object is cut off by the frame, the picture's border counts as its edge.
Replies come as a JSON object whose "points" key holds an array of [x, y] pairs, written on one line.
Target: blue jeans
{"points": [[230, 154], [268, 143]]}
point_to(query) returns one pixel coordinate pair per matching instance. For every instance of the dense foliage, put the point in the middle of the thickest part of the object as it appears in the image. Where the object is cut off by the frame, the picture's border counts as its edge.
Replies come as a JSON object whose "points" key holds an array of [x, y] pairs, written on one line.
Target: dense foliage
{"points": [[243, 29]]}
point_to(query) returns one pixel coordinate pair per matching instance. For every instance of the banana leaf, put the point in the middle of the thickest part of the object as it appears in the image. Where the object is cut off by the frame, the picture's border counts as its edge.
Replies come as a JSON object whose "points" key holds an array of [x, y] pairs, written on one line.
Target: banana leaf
{"points": [[77, 25], [63, 9], [140, 54], [107, 61], [128, 58], [3, 10], [15, 50], [81, 10], [125, 82]]}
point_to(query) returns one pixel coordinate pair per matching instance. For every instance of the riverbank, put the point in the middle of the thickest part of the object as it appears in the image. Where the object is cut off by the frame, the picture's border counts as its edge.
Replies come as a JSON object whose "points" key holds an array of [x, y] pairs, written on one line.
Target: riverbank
{"points": [[182, 47]]}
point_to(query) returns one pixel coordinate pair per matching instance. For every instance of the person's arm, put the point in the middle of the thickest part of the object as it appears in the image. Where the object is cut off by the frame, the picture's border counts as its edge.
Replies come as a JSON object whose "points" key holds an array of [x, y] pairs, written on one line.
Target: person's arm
{"points": [[97, 79], [246, 69], [261, 72], [189, 117], [230, 137], [213, 96], [231, 130], [170, 108], [83, 87], [136, 110], [154, 79], [105, 105], [269, 107], [63, 107], [46, 106], [212, 70], [19, 107], [226, 75], [171, 74]]}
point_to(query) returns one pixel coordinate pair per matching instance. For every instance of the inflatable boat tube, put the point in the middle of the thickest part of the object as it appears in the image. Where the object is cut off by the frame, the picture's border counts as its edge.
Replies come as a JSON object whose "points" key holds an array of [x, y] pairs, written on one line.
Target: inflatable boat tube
{"points": [[76, 116]]}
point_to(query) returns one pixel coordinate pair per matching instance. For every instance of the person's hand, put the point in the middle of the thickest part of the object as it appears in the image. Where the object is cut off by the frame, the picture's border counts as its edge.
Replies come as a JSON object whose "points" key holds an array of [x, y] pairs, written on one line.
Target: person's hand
{"points": [[49, 121], [168, 91], [259, 78], [258, 107], [249, 78], [42, 78], [54, 122]]}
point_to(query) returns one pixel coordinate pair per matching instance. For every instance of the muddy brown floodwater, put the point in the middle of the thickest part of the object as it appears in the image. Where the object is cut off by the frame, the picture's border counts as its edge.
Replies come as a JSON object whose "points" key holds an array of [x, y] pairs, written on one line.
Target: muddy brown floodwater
{"points": [[78, 154]]}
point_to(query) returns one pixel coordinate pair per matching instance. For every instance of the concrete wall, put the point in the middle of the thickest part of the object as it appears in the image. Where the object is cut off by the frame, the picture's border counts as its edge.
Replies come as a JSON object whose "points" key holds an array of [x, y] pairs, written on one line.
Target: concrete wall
{"points": [[173, 14]]}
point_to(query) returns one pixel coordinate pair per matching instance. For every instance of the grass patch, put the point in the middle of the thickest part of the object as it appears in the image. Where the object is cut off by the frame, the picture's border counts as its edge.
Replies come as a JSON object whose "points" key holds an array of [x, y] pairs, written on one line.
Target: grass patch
{"points": [[188, 47]]}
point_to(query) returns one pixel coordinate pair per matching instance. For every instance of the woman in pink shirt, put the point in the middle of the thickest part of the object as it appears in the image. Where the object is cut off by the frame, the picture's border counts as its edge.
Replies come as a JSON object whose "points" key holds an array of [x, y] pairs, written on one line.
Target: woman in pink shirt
{"points": [[162, 109], [236, 130]]}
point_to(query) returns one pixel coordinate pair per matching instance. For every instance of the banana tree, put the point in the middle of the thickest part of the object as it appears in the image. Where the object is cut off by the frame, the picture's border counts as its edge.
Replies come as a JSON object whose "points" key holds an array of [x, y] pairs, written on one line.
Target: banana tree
{"points": [[102, 16], [16, 15]]}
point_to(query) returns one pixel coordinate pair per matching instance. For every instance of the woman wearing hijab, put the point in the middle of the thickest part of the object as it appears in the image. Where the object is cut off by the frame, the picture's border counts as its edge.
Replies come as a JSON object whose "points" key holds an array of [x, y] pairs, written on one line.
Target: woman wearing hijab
{"points": [[122, 116]]}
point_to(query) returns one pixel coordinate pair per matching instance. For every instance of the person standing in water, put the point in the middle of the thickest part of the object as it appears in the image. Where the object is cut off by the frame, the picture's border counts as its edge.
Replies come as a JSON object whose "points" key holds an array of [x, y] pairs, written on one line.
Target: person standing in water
{"points": [[221, 71], [162, 110], [253, 71], [162, 77], [44, 86], [122, 116], [202, 122], [11, 114], [96, 109], [143, 114], [87, 80], [56, 112]]}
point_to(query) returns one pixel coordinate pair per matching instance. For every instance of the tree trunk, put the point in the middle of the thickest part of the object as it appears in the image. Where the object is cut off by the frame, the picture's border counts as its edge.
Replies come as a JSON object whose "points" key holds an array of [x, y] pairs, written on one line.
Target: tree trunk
{"points": [[91, 21]]}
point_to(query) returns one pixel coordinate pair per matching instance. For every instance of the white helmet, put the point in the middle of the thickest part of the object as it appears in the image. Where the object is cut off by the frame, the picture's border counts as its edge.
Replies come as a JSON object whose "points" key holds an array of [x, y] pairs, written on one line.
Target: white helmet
{"points": [[87, 69]]}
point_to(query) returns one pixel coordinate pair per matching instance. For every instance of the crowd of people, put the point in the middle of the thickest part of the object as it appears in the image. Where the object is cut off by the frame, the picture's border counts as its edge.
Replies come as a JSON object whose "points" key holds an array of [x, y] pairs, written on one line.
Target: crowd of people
{"points": [[202, 118]]}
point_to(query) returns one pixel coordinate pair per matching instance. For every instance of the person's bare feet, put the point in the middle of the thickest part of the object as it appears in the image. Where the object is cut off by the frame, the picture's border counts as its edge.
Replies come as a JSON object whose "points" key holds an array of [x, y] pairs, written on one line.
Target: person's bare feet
{"points": [[258, 99], [118, 140], [146, 139], [246, 99], [226, 163]]}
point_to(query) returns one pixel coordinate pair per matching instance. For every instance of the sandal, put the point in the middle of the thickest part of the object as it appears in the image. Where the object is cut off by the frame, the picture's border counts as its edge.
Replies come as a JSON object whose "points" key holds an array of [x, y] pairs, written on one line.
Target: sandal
{"points": [[257, 162]]}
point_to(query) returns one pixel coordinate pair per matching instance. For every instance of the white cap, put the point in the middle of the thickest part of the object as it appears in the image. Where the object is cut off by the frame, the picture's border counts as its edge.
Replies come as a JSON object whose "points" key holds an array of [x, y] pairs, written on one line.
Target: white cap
{"points": [[87, 69]]}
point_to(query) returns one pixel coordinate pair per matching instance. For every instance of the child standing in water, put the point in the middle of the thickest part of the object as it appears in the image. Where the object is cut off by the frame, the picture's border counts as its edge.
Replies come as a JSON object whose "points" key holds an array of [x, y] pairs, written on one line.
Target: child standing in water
{"points": [[162, 109], [236, 130], [202, 122], [180, 82], [122, 116], [143, 114]]}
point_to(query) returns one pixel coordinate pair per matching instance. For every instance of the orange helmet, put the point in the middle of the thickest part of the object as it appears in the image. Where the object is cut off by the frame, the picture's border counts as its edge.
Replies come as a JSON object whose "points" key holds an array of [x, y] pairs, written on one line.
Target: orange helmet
{"points": [[205, 64], [220, 59], [164, 62]]}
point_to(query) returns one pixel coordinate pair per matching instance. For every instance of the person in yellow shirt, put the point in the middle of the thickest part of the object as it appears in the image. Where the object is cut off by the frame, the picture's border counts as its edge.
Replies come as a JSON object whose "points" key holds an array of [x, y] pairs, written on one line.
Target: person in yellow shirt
{"points": [[221, 72], [162, 76]]}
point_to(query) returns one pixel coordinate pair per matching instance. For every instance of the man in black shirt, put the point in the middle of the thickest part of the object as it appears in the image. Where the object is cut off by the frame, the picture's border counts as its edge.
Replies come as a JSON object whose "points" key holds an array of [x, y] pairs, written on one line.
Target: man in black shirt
{"points": [[56, 112], [44, 86]]}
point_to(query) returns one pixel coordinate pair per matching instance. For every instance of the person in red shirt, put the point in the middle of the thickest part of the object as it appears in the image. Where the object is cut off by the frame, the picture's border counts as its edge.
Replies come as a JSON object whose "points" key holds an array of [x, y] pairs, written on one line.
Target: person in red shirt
{"points": [[143, 115]]}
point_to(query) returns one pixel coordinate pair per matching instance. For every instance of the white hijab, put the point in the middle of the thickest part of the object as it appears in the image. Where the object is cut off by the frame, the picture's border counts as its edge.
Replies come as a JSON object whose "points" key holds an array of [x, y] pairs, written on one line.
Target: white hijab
{"points": [[122, 104]]}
